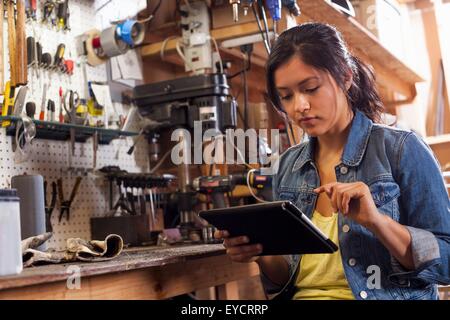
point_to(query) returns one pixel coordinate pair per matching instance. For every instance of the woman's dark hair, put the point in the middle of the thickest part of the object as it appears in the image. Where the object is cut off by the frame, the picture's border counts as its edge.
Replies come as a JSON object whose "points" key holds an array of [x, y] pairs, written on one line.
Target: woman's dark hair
{"points": [[321, 46]]}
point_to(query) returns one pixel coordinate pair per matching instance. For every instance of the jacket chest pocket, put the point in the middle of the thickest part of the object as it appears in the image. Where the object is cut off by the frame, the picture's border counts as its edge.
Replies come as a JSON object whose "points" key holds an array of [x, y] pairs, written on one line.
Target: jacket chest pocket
{"points": [[303, 199], [385, 194], [288, 195]]}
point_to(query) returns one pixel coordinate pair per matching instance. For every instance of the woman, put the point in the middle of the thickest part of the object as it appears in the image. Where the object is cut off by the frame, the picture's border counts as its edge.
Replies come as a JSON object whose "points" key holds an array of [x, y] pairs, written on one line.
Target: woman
{"points": [[376, 191]]}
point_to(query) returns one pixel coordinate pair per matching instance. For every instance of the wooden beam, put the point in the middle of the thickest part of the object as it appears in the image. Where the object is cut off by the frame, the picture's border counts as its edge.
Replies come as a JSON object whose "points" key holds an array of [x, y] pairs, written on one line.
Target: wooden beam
{"points": [[390, 71], [438, 139], [443, 27], [220, 34]]}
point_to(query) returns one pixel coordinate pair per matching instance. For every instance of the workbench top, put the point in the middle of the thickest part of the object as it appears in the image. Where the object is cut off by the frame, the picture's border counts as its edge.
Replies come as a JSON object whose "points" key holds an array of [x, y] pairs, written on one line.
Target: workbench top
{"points": [[129, 259]]}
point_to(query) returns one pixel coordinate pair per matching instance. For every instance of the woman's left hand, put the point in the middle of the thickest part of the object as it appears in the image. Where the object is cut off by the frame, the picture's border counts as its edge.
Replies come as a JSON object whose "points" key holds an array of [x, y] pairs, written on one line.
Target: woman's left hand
{"points": [[353, 200]]}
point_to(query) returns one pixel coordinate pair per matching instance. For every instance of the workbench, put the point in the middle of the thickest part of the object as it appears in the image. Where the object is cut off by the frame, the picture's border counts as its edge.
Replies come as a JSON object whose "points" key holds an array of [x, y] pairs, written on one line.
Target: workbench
{"points": [[138, 273]]}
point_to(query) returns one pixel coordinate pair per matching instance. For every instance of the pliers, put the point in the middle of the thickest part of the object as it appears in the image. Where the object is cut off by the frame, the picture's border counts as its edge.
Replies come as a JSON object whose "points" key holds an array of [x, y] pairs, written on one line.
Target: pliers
{"points": [[66, 204], [49, 209]]}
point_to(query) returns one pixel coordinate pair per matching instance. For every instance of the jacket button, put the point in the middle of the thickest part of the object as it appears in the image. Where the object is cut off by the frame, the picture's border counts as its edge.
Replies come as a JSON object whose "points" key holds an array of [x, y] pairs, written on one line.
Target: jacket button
{"points": [[346, 228], [352, 262], [363, 294], [344, 170]]}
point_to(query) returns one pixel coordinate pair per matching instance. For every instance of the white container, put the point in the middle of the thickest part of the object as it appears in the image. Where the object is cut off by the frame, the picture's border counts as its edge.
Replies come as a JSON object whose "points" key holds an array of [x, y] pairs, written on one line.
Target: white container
{"points": [[10, 237]]}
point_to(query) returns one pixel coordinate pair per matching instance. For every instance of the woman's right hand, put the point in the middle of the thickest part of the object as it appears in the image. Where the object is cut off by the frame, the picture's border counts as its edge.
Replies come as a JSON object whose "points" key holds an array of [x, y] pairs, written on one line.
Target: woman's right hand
{"points": [[237, 248]]}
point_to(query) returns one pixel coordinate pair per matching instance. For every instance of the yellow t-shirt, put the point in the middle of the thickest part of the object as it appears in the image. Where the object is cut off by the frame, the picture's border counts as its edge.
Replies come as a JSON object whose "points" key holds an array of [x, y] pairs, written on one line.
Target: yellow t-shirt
{"points": [[321, 276]]}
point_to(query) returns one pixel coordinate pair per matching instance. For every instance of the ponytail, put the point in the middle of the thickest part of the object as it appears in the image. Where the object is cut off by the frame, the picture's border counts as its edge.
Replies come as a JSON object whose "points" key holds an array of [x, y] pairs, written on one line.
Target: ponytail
{"points": [[363, 94]]}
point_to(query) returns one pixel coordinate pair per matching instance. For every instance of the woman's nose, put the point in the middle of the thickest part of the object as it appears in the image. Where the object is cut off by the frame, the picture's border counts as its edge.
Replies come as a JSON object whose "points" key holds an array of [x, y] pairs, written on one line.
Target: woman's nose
{"points": [[301, 103]]}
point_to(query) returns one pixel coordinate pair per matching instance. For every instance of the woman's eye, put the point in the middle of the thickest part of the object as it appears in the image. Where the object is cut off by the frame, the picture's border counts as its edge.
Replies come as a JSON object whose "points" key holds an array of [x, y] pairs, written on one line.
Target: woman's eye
{"points": [[287, 97], [311, 90]]}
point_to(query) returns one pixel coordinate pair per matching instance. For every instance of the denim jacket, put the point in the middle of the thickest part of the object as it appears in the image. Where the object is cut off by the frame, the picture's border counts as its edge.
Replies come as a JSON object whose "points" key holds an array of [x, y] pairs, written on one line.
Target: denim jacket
{"points": [[406, 184]]}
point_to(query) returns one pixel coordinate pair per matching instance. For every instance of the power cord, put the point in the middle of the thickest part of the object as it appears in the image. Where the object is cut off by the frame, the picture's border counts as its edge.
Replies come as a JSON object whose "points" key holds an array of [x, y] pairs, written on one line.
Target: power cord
{"points": [[251, 189], [258, 22], [266, 25]]}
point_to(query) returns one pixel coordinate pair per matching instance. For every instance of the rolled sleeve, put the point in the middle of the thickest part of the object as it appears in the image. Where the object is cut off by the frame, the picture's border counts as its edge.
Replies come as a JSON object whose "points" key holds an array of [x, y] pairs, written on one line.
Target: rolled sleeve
{"points": [[425, 253], [425, 212], [424, 245]]}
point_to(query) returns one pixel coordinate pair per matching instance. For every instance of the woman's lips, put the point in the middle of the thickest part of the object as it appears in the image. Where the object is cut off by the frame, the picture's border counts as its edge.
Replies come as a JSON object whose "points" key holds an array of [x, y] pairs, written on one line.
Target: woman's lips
{"points": [[307, 120]]}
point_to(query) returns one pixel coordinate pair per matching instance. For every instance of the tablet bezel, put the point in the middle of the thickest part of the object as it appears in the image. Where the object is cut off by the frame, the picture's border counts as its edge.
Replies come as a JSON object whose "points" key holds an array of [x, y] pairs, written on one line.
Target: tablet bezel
{"points": [[223, 217]]}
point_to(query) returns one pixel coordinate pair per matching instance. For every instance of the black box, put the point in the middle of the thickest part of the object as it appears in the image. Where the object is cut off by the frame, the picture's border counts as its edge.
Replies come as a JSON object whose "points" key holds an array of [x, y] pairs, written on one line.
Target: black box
{"points": [[134, 230]]}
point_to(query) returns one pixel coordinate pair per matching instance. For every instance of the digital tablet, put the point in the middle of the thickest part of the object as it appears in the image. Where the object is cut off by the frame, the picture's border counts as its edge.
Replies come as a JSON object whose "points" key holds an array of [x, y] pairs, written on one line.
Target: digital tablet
{"points": [[279, 226]]}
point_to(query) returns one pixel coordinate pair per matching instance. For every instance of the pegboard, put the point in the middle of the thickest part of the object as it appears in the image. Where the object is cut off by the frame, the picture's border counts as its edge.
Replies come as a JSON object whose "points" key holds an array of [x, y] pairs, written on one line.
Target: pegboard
{"points": [[52, 159]]}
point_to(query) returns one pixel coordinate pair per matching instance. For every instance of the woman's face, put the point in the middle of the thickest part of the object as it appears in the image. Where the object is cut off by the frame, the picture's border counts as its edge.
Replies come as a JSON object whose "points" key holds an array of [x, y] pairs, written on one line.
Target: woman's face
{"points": [[312, 98]]}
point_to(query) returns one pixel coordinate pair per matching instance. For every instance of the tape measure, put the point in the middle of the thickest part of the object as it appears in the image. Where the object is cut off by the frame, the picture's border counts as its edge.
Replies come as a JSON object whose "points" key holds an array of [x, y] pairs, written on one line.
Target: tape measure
{"points": [[131, 32], [111, 43]]}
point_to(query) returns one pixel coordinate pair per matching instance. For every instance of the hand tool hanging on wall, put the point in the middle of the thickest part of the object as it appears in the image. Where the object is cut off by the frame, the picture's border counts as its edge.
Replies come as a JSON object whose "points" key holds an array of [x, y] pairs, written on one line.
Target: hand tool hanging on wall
{"points": [[71, 115], [20, 101], [17, 51], [30, 109], [44, 99], [39, 53], [68, 67], [2, 66], [21, 46], [58, 62], [10, 85], [12, 44], [61, 98], [46, 60], [48, 8], [63, 15], [95, 148], [66, 204], [51, 110], [30, 9], [8, 103], [49, 208], [31, 52]]}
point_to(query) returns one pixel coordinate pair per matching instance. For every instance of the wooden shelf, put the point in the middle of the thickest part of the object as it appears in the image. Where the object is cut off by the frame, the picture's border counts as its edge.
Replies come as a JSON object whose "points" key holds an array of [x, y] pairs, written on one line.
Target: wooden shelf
{"points": [[445, 138], [390, 70], [61, 131]]}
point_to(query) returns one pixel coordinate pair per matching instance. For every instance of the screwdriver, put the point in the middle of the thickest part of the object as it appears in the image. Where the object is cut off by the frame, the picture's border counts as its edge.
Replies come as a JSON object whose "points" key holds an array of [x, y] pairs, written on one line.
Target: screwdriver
{"points": [[31, 8], [44, 98], [59, 55], [46, 60], [53, 109], [39, 54], [31, 50], [61, 116], [48, 9], [30, 109], [50, 110], [62, 14]]}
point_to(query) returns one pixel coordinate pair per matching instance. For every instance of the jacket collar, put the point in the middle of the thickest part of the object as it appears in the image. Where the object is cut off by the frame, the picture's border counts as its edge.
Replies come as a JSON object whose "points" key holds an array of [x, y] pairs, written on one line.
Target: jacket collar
{"points": [[354, 148]]}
